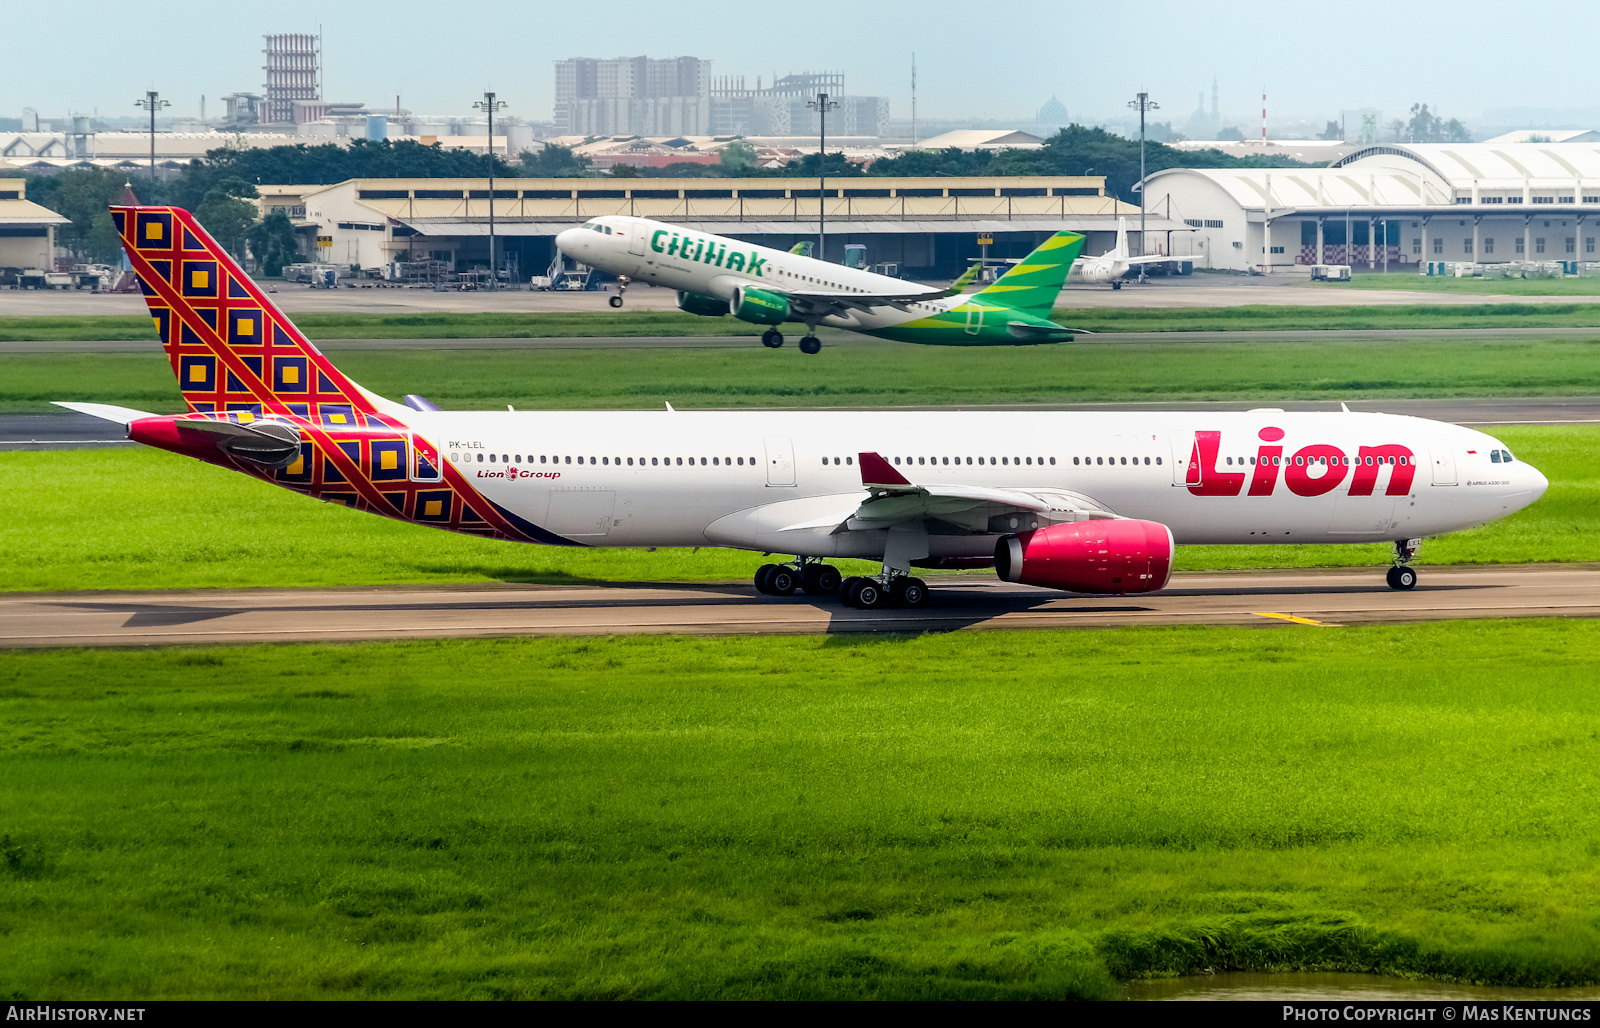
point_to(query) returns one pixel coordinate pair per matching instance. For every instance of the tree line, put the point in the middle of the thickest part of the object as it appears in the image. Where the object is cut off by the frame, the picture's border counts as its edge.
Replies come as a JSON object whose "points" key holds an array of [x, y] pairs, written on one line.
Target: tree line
{"points": [[219, 188]]}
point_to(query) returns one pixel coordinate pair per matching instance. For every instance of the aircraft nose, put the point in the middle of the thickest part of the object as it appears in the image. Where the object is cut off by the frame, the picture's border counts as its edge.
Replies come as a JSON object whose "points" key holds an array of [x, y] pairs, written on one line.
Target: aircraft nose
{"points": [[1537, 483], [567, 242]]}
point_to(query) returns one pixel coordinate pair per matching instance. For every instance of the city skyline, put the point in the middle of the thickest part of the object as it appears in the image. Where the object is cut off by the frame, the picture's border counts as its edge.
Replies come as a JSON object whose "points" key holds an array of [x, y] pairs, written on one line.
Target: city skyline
{"points": [[1006, 77]]}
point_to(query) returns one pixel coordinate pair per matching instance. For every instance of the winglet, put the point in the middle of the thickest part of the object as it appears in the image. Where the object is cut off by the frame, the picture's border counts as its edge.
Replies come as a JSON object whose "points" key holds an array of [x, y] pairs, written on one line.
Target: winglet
{"points": [[877, 471]]}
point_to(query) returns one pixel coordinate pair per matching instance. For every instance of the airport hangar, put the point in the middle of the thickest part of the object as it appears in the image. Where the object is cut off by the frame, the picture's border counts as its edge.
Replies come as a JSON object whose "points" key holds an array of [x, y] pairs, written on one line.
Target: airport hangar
{"points": [[1472, 203], [928, 227], [27, 230]]}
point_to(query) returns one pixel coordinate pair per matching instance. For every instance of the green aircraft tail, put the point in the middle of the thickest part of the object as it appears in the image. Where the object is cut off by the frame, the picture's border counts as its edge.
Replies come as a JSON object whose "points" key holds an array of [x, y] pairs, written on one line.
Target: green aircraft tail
{"points": [[1033, 285]]}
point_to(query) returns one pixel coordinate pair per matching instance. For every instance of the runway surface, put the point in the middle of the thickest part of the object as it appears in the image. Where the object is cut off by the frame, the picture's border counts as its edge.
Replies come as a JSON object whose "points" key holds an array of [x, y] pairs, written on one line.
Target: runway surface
{"points": [[1183, 291], [1299, 599], [71, 431]]}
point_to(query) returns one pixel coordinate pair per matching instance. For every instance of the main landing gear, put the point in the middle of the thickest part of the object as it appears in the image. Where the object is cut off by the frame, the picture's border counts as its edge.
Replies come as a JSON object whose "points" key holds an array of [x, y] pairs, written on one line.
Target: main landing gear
{"points": [[1402, 575], [622, 287], [808, 575], [773, 339]]}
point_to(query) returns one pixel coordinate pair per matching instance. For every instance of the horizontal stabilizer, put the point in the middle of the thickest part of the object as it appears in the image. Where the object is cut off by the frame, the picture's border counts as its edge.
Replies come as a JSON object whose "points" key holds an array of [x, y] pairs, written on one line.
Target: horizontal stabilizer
{"points": [[1032, 333], [106, 411]]}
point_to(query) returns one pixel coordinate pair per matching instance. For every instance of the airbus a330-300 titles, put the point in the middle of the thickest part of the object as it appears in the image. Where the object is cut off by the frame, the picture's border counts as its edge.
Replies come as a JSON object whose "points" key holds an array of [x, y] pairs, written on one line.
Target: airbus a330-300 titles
{"points": [[1089, 502], [716, 276]]}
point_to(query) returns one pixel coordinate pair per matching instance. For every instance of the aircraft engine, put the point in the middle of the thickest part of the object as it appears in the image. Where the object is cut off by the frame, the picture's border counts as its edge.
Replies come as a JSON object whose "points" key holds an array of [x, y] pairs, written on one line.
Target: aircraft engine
{"points": [[701, 304], [759, 306], [1109, 556]]}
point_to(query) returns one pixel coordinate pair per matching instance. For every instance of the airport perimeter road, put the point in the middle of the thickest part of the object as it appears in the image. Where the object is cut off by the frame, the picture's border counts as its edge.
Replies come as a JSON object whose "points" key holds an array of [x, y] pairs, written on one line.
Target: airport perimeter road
{"points": [[1302, 599]]}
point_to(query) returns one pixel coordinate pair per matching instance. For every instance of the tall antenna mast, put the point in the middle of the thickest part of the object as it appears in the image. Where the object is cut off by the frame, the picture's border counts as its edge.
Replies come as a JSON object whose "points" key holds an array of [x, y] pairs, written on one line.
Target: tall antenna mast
{"points": [[1263, 115]]}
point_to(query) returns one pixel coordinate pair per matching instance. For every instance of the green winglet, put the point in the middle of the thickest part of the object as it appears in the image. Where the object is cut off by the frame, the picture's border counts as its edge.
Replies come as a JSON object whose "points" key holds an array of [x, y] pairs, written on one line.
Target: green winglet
{"points": [[803, 248], [966, 277], [1033, 285]]}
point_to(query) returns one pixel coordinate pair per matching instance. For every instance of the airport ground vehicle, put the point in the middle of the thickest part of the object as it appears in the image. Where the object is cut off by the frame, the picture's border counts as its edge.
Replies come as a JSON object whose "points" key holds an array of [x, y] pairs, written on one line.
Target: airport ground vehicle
{"points": [[1090, 502]]}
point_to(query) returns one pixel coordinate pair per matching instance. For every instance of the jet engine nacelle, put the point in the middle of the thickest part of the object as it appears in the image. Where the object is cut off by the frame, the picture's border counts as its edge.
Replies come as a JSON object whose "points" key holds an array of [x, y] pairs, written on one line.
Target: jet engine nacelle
{"points": [[701, 304], [760, 306], [1104, 556]]}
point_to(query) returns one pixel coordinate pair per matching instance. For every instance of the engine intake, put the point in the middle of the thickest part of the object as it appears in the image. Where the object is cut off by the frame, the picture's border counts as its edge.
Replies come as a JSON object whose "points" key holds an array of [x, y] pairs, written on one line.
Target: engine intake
{"points": [[701, 304], [1105, 556], [760, 306]]}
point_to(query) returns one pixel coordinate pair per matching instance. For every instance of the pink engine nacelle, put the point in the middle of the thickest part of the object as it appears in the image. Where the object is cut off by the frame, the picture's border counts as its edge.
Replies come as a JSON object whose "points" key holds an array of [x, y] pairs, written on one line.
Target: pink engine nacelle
{"points": [[1110, 556]]}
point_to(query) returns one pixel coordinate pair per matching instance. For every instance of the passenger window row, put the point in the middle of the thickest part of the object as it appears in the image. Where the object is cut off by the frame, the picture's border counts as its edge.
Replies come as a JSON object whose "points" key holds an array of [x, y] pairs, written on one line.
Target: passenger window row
{"points": [[1112, 460], [992, 461], [508, 458], [1306, 461]]}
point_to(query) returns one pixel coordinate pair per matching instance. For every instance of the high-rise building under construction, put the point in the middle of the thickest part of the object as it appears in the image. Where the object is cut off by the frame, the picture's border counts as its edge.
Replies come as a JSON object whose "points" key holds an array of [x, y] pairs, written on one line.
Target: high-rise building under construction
{"points": [[294, 72]]}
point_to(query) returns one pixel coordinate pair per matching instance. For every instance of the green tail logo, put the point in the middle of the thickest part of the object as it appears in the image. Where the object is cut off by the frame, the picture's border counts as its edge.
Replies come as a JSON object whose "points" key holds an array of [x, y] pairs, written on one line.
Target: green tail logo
{"points": [[1033, 285]]}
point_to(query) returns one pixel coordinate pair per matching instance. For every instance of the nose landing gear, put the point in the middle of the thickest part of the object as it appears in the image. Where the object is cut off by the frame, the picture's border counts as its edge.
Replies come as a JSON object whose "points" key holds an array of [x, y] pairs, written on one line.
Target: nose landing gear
{"points": [[1402, 576], [622, 287]]}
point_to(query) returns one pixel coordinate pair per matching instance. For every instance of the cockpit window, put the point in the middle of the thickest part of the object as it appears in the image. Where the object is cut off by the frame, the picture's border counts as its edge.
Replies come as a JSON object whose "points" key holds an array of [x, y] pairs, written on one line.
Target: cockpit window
{"points": [[1505, 455], [1494, 456]]}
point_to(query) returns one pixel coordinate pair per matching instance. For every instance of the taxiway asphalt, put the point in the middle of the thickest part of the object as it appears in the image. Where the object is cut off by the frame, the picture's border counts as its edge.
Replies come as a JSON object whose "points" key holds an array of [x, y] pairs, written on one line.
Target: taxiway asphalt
{"points": [[1296, 599]]}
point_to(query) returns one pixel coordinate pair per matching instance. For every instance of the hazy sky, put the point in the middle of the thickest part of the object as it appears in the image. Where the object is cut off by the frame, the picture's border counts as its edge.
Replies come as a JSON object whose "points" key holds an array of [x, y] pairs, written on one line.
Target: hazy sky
{"points": [[974, 60]]}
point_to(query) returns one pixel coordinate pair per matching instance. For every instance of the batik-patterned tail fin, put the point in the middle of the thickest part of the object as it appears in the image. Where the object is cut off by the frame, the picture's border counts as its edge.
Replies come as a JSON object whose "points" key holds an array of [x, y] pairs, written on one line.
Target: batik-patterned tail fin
{"points": [[1033, 285], [230, 347]]}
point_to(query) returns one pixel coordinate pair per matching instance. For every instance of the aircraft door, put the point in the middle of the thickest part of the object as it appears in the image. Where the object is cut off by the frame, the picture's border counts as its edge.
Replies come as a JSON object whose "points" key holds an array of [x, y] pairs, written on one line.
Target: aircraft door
{"points": [[1444, 461], [425, 461], [636, 240], [780, 461], [1185, 463], [974, 318]]}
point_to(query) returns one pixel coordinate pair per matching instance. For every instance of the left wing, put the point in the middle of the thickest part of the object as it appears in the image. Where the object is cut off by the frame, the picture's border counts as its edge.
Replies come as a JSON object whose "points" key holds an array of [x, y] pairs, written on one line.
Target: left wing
{"points": [[821, 305]]}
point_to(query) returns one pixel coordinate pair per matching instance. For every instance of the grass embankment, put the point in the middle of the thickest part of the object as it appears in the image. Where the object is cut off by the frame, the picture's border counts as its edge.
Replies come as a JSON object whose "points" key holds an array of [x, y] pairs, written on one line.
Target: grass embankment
{"points": [[506, 325], [320, 326], [1476, 286], [143, 519], [1101, 370], [1017, 815]]}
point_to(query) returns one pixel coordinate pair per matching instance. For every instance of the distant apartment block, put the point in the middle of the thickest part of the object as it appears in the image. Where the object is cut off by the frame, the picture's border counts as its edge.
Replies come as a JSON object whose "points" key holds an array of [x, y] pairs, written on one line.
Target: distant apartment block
{"points": [[633, 96]]}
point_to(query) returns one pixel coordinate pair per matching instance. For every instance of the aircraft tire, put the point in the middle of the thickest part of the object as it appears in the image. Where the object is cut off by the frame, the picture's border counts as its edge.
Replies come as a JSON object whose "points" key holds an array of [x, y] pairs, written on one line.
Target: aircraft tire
{"points": [[615, 301], [762, 573], [810, 344], [847, 590], [782, 580], [772, 338], [827, 579], [868, 594], [909, 592], [1402, 578]]}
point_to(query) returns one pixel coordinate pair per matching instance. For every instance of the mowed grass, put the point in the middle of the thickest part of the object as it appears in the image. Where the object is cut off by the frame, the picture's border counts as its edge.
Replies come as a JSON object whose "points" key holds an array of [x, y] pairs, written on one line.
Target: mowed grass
{"points": [[878, 374], [959, 816], [137, 518], [334, 325], [330, 325], [1577, 287]]}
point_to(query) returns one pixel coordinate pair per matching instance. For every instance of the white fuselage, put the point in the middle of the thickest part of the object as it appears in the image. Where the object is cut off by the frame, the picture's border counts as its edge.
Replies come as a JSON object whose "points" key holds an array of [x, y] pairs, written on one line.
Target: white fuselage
{"points": [[748, 479], [711, 265]]}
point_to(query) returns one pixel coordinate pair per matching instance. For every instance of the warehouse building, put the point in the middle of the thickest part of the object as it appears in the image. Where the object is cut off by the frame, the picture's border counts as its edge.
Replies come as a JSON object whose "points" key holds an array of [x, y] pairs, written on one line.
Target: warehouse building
{"points": [[926, 227], [1391, 206], [27, 230]]}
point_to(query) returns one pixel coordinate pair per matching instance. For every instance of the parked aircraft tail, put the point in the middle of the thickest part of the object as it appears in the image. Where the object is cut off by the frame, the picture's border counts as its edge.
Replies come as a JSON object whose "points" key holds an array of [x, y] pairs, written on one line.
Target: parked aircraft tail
{"points": [[1033, 285]]}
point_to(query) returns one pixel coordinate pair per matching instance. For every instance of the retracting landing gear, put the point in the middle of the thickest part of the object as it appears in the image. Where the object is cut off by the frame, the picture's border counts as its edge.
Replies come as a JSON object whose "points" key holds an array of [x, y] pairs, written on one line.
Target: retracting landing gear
{"points": [[807, 574], [810, 344], [772, 338], [622, 287], [1402, 575]]}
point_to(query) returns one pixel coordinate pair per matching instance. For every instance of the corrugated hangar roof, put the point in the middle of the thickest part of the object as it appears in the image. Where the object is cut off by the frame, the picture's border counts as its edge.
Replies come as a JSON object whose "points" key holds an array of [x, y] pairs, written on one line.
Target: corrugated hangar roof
{"points": [[1324, 187], [1490, 165]]}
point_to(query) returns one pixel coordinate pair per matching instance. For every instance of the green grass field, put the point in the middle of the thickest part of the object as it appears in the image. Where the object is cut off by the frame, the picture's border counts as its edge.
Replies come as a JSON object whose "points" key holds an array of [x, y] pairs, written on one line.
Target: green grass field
{"points": [[1094, 370], [142, 519], [603, 322], [958, 816], [1480, 286]]}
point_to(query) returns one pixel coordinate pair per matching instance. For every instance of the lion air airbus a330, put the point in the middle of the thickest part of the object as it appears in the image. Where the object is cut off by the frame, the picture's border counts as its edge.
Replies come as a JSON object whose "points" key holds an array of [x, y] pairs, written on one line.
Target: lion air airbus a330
{"points": [[1090, 502], [717, 276]]}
